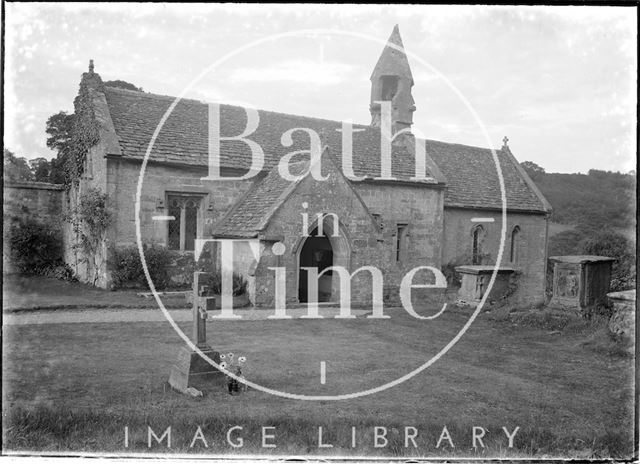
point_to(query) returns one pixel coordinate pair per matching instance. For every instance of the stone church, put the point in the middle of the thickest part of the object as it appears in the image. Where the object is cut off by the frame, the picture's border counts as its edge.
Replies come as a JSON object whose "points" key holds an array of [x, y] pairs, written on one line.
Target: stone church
{"points": [[449, 217]]}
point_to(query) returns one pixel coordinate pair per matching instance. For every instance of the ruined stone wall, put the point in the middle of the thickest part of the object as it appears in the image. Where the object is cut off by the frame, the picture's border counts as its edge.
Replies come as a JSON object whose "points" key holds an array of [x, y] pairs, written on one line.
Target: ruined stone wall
{"points": [[530, 252], [94, 176]]}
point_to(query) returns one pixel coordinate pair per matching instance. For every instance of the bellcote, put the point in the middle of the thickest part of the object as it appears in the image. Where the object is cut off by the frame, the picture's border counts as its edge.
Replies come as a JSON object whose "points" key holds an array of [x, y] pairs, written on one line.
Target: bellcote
{"points": [[392, 81]]}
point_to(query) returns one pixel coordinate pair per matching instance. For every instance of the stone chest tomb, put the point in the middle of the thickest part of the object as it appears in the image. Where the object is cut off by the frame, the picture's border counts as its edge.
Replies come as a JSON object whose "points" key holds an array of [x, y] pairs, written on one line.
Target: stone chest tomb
{"points": [[476, 279], [580, 281]]}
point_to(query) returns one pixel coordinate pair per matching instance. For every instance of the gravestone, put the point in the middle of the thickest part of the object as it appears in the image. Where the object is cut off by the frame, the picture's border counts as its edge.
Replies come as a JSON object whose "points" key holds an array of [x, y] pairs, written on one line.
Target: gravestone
{"points": [[623, 319], [475, 281], [580, 281], [190, 368]]}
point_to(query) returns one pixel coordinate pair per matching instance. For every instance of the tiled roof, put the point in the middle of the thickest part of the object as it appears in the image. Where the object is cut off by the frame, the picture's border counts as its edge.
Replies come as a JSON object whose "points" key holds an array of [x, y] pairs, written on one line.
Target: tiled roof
{"points": [[472, 178], [251, 213], [183, 138], [470, 172]]}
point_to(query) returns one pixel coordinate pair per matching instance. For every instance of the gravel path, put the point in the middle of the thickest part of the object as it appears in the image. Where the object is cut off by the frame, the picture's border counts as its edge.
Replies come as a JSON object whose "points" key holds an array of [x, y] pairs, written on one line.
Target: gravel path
{"points": [[147, 315]]}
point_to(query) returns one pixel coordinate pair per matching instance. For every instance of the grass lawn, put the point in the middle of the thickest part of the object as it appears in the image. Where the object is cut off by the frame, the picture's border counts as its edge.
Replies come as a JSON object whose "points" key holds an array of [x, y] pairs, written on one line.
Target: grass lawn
{"points": [[35, 292], [74, 387]]}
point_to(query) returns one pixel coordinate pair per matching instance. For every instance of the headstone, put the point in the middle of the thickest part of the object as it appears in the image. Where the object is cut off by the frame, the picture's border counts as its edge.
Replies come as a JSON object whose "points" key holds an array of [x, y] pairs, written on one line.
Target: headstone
{"points": [[191, 369], [580, 281], [623, 319], [475, 282]]}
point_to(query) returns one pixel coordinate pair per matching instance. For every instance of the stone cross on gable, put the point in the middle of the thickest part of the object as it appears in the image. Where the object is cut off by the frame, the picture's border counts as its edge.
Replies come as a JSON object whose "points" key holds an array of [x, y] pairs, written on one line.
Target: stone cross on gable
{"points": [[505, 140]]}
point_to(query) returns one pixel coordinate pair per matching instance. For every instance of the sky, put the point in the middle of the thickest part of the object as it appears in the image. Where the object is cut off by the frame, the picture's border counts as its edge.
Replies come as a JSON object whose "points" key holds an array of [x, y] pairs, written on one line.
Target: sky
{"points": [[559, 82]]}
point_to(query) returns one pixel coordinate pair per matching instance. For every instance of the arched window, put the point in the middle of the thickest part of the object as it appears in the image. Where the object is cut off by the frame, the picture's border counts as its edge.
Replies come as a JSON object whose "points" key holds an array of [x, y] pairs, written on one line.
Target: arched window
{"points": [[515, 237], [477, 238]]}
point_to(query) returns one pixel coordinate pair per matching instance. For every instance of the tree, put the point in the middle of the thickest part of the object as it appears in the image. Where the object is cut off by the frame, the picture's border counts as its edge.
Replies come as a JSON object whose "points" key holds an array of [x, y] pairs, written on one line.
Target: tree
{"points": [[614, 245], [59, 127], [565, 243], [532, 169], [16, 169], [57, 171], [40, 168], [122, 85]]}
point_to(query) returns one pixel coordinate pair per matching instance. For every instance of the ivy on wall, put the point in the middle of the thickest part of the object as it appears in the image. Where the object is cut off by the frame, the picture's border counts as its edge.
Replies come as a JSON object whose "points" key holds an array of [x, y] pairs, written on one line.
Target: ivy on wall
{"points": [[73, 135], [84, 133], [90, 219]]}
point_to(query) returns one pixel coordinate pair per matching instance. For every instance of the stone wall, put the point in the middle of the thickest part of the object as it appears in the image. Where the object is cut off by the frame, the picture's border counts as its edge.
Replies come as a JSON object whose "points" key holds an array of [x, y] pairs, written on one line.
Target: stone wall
{"points": [[530, 253], [420, 209], [159, 181], [37, 201]]}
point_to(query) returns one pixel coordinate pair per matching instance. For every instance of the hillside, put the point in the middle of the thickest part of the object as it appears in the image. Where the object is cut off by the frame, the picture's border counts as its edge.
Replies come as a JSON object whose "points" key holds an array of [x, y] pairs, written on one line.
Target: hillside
{"points": [[593, 213], [591, 201]]}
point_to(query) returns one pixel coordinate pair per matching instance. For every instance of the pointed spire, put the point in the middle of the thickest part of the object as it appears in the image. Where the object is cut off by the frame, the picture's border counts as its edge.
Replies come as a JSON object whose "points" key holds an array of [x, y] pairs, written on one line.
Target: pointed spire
{"points": [[395, 38], [393, 59]]}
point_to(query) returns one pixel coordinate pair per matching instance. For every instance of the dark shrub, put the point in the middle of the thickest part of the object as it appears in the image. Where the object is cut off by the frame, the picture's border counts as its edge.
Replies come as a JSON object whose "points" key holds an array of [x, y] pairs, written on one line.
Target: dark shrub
{"points": [[127, 268], [35, 248], [565, 243], [61, 271], [614, 245], [215, 284]]}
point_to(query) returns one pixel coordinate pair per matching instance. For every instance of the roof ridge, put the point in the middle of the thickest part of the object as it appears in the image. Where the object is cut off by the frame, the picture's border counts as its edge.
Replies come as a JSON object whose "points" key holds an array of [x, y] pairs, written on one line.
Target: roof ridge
{"points": [[301, 116], [229, 105], [454, 144], [151, 94]]}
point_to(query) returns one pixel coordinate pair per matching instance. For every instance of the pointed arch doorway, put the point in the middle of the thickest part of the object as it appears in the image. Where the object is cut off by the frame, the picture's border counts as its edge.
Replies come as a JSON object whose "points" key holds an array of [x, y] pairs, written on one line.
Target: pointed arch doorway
{"points": [[325, 246], [316, 252]]}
